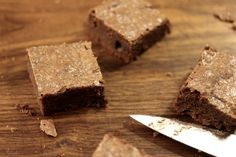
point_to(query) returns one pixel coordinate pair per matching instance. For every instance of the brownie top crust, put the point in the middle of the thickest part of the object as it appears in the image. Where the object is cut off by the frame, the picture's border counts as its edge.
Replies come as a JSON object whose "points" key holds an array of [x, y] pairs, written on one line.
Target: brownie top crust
{"points": [[65, 66], [112, 146], [215, 78], [130, 18]]}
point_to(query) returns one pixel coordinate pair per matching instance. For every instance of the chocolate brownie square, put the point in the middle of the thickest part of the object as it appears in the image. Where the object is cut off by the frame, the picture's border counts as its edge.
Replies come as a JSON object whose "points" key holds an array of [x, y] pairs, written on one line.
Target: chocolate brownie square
{"points": [[126, 28], [209, 93], [65, 77], [111, 146]]}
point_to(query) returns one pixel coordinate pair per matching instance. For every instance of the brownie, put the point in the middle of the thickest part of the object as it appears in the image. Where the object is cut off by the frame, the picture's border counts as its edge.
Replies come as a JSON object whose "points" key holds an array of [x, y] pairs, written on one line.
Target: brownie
{"points": [[209, 93], [126, 28], [65, 77], [111, 146]]}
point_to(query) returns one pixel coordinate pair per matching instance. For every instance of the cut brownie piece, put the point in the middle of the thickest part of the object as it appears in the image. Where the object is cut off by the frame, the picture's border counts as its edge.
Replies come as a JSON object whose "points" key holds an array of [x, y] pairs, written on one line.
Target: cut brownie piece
{"points": [[65, 77], [111, 146], [126, 28], [209, 93]]}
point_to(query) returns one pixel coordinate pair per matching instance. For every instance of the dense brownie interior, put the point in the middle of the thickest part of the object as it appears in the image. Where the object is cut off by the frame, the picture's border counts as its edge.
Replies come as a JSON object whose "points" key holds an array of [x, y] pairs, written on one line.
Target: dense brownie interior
{"points": [[70, 99], [199, 108]]}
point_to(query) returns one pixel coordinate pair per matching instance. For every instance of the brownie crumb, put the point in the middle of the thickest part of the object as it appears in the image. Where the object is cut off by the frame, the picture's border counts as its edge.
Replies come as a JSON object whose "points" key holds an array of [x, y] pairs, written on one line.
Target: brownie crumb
{"points": [[169, 74], [155, 134], [24, 108], [48, 127], [224, 16], [227, 16], [220, 134]]}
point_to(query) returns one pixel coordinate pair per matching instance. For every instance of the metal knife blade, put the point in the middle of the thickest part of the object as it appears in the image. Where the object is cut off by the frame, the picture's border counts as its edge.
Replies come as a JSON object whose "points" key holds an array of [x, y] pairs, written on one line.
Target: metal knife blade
{"points": [[191, 135]]}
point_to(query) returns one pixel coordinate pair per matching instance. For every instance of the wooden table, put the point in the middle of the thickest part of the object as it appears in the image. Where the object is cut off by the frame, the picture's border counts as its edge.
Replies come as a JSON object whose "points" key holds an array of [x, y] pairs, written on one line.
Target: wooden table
{"points": [[142, 87]]}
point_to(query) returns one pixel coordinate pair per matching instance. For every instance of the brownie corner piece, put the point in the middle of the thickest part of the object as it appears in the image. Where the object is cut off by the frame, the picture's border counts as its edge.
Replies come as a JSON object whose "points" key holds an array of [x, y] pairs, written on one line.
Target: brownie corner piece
{"points": [[126, 28], [65, 77], [209, 93], [111, 146]]}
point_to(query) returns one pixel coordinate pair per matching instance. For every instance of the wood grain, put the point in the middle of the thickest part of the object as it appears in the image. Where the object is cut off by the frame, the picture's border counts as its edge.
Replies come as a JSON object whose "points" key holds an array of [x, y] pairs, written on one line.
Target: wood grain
{"points": [[142, 87]]}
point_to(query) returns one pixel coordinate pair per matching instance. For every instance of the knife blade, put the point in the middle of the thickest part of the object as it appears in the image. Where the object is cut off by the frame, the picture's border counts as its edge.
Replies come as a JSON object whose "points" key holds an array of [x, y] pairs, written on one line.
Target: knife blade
{"points": [[190, 134]]}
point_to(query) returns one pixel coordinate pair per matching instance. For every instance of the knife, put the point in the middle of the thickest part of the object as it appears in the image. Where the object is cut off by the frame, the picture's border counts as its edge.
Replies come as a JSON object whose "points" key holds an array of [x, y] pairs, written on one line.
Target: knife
{"points": [[190, 134]]}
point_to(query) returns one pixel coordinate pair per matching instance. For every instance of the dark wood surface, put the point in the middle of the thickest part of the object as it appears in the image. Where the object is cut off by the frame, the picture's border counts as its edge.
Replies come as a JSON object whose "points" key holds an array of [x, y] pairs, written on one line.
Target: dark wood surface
{"points": [[142, 87]]}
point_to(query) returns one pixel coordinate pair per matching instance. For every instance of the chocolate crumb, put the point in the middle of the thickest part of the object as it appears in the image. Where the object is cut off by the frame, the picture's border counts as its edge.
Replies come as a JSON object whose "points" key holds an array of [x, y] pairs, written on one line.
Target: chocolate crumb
{"points": [[176, 133], [48, 127], [169, 74], [227, 16], [224, 16], [155, 134], [220, 134], [24, 108]]}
